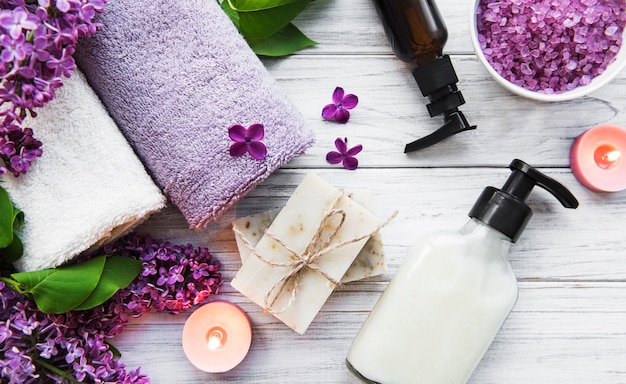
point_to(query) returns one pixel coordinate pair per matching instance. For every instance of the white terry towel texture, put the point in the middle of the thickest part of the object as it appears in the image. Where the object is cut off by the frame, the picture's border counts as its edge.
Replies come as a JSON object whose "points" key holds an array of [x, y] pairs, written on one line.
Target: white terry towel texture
{"points": [[87, 187]]}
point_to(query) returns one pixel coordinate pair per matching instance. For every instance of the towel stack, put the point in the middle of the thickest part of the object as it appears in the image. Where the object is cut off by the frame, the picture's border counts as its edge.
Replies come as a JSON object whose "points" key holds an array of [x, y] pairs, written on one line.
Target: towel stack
{"points": [[175, 75], [86, 188]]}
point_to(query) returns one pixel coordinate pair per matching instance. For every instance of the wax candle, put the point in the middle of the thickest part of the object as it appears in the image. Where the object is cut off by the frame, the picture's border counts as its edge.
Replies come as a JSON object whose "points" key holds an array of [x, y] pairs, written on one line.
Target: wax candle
{"points": [[217, 337], [596, 158]]}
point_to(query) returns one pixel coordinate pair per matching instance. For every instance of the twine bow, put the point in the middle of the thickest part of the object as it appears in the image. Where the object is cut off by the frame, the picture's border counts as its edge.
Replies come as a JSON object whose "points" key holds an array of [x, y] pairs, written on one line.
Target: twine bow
{"points": [[319, 246]]}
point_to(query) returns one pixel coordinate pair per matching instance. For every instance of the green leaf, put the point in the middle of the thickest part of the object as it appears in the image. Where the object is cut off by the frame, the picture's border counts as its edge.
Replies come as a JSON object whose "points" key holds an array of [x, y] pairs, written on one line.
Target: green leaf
{"points": [[18, 218], [7, 217], [259, 24], [13, 251], [118, 272], [116, 352], [231, 13], [259, 5], [282, 43], [62, 289], [11, 218]]}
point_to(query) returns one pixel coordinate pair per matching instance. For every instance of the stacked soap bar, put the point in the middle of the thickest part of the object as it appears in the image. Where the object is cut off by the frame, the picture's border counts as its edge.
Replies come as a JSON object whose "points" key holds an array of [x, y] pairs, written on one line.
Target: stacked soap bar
{"points": [[369, 262], [283, 272]]}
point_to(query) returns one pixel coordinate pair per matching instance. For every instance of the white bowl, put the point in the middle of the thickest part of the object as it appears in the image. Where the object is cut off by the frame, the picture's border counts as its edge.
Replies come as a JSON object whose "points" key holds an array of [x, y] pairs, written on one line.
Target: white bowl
{"points": [[597, 82]]}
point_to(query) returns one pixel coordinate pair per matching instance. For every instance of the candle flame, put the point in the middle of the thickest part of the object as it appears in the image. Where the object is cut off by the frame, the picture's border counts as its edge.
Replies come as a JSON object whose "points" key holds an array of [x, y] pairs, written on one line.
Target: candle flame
{"points": [[607, 156], [612, 156], [215, 340]]}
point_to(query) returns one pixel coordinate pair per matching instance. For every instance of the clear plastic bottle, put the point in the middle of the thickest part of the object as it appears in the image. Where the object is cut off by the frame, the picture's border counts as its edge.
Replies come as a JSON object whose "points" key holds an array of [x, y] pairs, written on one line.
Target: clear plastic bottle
{"points": [[445, 305]]}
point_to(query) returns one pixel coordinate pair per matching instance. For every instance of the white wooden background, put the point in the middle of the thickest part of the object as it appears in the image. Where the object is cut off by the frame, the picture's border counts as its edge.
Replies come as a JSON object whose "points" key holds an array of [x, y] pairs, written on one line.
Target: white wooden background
{"points": [[569, 324]]}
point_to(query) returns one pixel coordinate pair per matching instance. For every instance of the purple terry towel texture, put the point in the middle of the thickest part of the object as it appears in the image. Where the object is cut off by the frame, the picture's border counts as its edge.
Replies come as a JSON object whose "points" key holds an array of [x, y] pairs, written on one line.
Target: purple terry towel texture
{"points": [[174, 75]]}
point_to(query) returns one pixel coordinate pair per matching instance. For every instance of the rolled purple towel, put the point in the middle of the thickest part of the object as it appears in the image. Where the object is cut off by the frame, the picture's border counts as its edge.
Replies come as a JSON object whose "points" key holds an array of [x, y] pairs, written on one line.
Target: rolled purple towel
{"points": [[175, 75]]}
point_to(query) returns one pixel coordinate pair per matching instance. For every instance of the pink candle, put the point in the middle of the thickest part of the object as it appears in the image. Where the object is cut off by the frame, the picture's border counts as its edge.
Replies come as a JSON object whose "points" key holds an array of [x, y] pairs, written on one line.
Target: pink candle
{"points": [[596, 158], [217, 336]]}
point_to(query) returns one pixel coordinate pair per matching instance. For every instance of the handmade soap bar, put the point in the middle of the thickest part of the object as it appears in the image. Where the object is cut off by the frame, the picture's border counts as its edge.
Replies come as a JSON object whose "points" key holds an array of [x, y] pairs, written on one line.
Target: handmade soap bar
{"points": [[286, 274], [369, 262]]}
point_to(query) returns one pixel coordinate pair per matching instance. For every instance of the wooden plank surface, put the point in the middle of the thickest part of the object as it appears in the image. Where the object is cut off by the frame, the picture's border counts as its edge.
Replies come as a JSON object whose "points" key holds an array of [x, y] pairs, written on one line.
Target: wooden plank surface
{"points": [[569, 324], [557, 333]]}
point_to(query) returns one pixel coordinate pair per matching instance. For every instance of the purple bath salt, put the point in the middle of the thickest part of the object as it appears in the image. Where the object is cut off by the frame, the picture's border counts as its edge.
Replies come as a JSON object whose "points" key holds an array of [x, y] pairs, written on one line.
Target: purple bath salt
{"points": [[550, 46]]}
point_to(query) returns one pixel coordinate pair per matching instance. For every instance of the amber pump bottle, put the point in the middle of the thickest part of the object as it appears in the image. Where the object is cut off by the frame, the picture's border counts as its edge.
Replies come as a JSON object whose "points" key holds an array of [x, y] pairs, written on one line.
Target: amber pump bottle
{"points": [[418, 34]]}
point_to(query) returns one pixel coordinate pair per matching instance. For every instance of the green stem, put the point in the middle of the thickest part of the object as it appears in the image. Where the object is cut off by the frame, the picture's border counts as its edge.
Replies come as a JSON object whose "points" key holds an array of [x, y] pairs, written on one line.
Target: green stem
{"points": [[56, 370], [14, 284]]}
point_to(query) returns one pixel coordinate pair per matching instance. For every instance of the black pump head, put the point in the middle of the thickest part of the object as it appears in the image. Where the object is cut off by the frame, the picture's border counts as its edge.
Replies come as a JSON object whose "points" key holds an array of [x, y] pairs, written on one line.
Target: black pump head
{"points": [[505, 209], [437, 81]]}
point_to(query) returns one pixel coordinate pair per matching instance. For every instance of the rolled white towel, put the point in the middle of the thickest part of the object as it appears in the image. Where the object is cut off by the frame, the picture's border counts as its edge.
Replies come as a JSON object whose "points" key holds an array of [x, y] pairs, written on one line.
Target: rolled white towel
{"points": [[87, 187]]}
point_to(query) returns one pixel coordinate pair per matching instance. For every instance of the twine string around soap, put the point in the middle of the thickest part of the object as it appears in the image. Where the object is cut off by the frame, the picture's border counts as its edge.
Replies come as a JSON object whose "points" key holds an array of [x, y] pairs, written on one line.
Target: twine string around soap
{"points": [[317, 247]]}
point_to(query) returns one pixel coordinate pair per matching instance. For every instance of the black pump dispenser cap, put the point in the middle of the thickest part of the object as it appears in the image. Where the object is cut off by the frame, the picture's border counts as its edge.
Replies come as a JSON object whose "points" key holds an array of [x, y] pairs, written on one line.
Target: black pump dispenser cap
{"points": [[437, 81], [505, 209]]}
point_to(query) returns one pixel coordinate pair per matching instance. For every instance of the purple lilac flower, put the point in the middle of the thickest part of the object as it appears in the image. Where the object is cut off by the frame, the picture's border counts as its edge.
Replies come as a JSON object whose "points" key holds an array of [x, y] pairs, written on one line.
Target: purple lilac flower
{"points": [[76, 342], [36, 48], [13, 49], [13, 21], [247, 140], [47, 349], [5, 331], [338, 109], [18, 148], [63, 65], [344, 155]]}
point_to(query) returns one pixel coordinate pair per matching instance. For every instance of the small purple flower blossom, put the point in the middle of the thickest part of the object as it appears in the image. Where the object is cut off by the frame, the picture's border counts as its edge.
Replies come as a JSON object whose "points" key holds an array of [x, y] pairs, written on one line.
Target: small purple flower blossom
{"points": [[13, 21], [5, 331], [200, 270], [64, 65], [344, 155], [338, 109], [25, 326], [82, 368], [63, 5], [7, 147], [13, 49], [247, 140], [47, 349], [73, 351]]}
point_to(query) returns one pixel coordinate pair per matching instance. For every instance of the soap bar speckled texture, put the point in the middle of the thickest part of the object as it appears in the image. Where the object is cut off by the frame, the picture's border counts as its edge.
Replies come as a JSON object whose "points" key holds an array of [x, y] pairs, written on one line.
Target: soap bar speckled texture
{"points": [[369, 262], [296, 225]]}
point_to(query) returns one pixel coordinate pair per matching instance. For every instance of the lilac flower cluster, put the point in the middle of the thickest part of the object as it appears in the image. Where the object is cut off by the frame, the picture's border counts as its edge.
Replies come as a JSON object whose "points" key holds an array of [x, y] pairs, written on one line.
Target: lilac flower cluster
{"points": [[174, 277], [18, 148], [46, 348], [36, 46], [550, 46]]}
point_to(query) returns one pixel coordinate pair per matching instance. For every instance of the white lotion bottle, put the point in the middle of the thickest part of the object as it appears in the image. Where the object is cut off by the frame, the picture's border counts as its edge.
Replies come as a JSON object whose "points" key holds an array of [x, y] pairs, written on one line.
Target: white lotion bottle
{"points": [[445, 305]]}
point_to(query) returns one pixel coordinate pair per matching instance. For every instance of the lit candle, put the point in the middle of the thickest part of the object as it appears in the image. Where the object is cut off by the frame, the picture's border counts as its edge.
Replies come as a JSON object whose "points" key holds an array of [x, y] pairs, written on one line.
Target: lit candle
{"points": [[217, 336], [597, 158]]}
